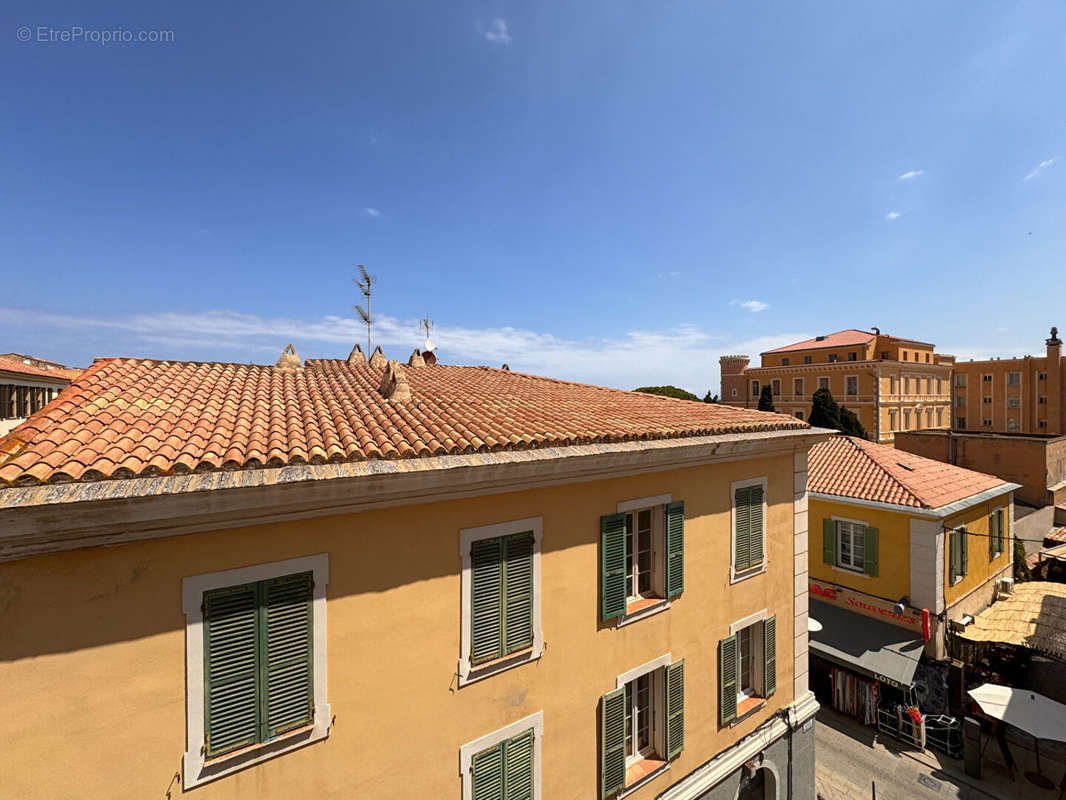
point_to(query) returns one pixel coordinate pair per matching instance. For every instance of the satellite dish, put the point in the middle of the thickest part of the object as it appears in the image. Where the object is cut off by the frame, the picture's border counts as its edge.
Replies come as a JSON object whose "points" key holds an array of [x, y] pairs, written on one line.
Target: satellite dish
{"points": [[429, 345], [813, 625]]}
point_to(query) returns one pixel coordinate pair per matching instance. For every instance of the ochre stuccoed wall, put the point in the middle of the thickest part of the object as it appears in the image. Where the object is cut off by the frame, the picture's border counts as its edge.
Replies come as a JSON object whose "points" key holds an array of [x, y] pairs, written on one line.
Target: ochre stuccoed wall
{"points": [[92, 652], [893, 549], [980, 568]]}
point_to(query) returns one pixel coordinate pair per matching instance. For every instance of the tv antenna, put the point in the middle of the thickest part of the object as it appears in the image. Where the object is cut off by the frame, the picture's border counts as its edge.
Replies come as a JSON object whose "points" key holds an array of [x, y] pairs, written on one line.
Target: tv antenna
{"points": [[426, 324], [365, 283]]}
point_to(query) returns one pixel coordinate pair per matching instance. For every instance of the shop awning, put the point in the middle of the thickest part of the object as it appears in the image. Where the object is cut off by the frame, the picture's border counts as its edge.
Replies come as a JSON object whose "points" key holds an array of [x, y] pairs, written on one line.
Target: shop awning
{"points": [[866, 645], [1039, 716]]}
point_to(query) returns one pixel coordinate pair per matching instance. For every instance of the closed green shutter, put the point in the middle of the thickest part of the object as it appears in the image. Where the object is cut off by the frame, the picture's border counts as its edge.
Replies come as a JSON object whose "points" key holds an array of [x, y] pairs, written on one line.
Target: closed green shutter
{"points": [[769, 652], [487, 774], [675, 708], [829, 542], [964, 558], [742, 537], [518, 767], [869, 558], [486, 586], [612, 566], [1001, 526], [675, 548], [612, 742], [992, 538], [288, 674], [727, 679], [231, 651], [953, 556], [755, 529], [518, 593]]}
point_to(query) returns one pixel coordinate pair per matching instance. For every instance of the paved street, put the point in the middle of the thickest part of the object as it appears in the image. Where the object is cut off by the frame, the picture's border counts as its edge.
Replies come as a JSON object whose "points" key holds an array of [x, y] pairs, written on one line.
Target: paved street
{"points": [[851, 756]]}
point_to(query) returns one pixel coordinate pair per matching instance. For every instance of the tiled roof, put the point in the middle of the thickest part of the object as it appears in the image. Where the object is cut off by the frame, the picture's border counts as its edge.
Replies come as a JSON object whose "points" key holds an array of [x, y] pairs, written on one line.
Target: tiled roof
{"points": [[840, 339], [1033, 616], [133, 417], [850, 467], [10, 365]]}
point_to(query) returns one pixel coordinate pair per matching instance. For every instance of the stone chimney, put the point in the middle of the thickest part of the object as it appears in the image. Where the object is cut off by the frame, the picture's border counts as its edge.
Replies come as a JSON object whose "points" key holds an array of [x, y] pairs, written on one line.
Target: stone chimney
{"points": [[289, 360], [394, 386], [1056, 385], [356, 357], [416, 359], [429, 357], [377, 358]]}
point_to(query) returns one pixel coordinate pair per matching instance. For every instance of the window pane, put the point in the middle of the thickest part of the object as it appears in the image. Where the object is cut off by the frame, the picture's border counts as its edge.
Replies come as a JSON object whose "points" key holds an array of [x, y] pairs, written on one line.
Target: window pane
{"points": [[643, 710], [744, 653]]}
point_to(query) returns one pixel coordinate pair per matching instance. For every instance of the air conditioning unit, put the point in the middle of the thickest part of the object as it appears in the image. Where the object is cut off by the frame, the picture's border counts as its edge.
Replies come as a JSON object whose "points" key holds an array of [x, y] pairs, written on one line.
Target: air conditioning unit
{"points": [[1004, 587], [961, 624]]}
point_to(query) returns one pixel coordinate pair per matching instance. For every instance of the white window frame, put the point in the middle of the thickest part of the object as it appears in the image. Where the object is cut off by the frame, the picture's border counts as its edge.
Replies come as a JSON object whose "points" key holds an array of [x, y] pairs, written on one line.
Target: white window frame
{"points": [[471, 749], [960, 380], [734, 576], [893, 419], [196, 769], [1014, 379], [836, 532], [846, 392], [802, 387], [467, 536], [658, 702], [1016, 399], [756, 388], [775, 387], [658, 557]]}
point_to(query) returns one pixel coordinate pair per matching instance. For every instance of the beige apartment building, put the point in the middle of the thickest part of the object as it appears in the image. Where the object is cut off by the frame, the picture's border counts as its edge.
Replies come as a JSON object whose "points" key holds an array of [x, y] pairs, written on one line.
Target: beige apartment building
{"points": [[892, 384], [1012, 395]]}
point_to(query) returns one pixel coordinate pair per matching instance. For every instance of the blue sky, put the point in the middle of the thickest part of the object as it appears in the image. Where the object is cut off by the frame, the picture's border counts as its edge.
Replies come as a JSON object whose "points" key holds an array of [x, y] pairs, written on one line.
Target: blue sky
{"points": [[616, 192]]}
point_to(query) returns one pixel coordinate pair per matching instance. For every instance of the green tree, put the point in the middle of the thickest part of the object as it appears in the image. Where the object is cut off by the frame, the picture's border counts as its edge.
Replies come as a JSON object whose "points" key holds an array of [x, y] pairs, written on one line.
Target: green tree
{"points": [[668, 391], [709, 398], [850, 425], [766, 399], [825, 413], [1022, 573]]}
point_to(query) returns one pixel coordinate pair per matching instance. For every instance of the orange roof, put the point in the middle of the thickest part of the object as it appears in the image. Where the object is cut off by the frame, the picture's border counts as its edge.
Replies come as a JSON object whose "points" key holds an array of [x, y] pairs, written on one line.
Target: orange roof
{"points": [[10, 365], [133, 417], [855, 468], [846, 338]]}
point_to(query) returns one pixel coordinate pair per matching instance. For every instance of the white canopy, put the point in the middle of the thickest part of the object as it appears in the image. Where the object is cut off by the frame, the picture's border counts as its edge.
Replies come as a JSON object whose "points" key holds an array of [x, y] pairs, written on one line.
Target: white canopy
{"points": [[1039, 716]]}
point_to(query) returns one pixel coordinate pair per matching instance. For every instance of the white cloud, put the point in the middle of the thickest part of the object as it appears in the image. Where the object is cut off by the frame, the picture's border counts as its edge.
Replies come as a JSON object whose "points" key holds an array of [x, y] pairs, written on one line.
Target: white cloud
{"points": [[911, 174], [497, 32], [374, 213], [685, 355], [891, 215], [755, 306], [1041, 167]]}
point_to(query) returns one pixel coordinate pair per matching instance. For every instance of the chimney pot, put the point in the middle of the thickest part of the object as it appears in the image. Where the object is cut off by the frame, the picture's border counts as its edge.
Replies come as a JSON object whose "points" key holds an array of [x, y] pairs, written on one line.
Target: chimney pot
{"points": [[416, 359], [394, 387], [289, 360], [377, 358], [357, 356]]}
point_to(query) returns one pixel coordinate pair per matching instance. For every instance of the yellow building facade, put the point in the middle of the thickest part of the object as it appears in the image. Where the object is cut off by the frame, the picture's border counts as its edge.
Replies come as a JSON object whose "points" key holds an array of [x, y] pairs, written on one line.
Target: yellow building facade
{"points": [[891, 384], [122, 666]]}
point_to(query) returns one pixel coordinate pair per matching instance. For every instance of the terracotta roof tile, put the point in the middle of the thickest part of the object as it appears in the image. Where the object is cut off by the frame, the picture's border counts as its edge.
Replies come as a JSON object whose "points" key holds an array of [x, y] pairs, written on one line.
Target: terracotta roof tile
{"points": [[846, 338], [32, 370], [851, 467], [128, 417]]}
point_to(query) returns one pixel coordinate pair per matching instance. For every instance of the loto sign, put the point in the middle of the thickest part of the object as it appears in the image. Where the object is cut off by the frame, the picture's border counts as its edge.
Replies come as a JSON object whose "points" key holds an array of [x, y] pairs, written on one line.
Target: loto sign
{"points": [[866, 604]]}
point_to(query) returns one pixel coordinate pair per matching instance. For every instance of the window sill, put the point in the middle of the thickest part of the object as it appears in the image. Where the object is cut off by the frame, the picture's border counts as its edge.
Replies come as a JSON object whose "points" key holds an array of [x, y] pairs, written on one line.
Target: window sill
{"points": [[470, 674], [858, 573], [747, 707], [196, 771], [737, 577], [641, 773], [642, 609]]}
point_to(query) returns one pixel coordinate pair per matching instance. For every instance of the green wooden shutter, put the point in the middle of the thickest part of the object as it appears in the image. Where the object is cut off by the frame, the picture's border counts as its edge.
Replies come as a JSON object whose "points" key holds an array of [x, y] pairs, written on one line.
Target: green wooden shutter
{"points": [[742, 538], [992, 536], [1000, 535], [964, 547], [287, 677], [953, 556], [769, 654], [518, 767], [518, 593], [231, 654], [675, 548], [612, 742], [755, 530], [829, 542], [727, 679], [869, 550], [487, 774], [675, 708], [612, 566], [486, 589]]}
